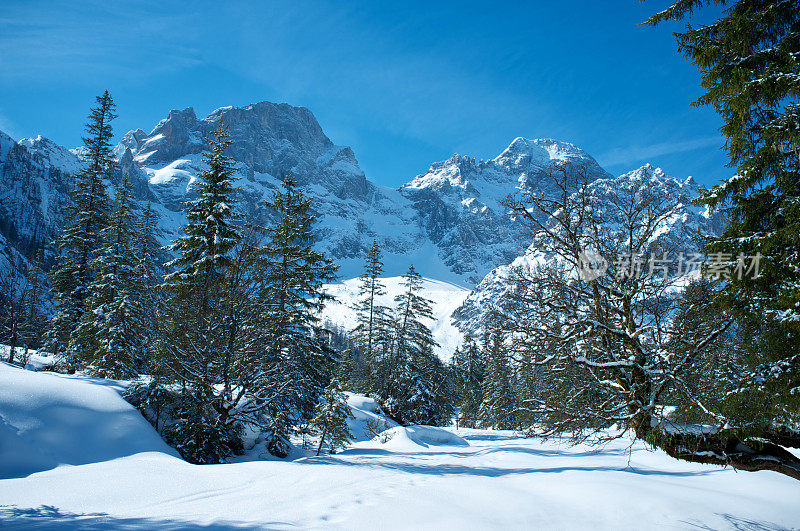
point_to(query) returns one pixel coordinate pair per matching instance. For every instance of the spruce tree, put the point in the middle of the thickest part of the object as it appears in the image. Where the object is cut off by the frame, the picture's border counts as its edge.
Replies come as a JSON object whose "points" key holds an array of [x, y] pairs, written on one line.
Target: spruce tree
{"points": [[149, 274], [413, 383], [80, 241], [371, 337], [498, 408], [412, 336], [468, 369], [193, 345], [295, 345], [748, 59], [109, 337], [330, 419]]}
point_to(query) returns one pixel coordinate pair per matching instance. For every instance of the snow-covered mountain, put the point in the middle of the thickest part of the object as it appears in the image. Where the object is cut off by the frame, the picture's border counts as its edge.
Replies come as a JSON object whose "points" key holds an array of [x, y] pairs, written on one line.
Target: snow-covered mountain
{"points": [[448, 222], [34, 183], [459, 202]]}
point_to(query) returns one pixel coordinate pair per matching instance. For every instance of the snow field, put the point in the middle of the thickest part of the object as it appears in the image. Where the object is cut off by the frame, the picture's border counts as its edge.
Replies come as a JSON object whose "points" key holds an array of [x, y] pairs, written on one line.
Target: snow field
{"points": [[123, 476]]}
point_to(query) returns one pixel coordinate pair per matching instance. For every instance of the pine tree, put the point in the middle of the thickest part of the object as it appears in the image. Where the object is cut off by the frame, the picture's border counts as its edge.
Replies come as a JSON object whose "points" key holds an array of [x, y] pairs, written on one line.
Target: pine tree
{"points": [[148, 274], [751, 75], [468, 367], [371, 337], [428, 399], [194, 342], [330, 419], [80, 241], [413, 383], [412, 336], [109, 337], [498, 408], [297, 356]]}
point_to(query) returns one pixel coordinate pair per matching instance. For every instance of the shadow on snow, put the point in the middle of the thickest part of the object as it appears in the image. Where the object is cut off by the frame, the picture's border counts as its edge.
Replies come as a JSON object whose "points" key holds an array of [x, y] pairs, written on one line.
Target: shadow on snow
{"points": [[47, 517]]}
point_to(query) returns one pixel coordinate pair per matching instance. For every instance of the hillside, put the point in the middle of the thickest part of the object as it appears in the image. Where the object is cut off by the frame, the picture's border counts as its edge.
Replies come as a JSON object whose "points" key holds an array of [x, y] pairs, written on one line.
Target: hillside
{"points": [[445, 297]]}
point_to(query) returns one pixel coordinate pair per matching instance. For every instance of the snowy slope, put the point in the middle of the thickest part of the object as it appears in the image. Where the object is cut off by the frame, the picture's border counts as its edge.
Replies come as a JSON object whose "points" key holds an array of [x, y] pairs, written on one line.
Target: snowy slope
{"points": [[446, 297], [49, 420], [124, 477]]}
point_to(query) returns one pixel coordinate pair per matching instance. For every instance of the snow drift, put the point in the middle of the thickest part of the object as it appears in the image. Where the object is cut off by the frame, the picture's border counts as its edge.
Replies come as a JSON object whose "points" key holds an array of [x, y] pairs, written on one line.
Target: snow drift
{"points": [[48, 420], [405, 438], [125, 477], [369, 420]]}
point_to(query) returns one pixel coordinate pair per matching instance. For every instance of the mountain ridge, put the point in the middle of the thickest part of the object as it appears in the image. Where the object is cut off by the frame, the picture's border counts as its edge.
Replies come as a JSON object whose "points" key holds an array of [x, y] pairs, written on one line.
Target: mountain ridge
{"points": [[453, 231], [449, 221]]}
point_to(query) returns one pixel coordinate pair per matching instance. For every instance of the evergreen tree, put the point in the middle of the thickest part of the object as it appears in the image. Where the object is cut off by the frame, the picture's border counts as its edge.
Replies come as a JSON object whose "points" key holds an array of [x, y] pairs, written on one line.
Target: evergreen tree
{"points": [[80, 241], [299, 361], [498, 408], [412, 336], [468, 369], [34, 317], [427, 397], [20, 293], [109, 338], [148, 275], [330, 419], [413, 383], [194, 342], [751, 76], [371, 337]]}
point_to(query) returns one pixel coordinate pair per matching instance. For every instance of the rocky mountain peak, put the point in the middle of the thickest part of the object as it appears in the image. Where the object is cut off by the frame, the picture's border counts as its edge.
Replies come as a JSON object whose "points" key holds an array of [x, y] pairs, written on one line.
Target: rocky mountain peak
{"points": [[49, 153], [524, 153]]}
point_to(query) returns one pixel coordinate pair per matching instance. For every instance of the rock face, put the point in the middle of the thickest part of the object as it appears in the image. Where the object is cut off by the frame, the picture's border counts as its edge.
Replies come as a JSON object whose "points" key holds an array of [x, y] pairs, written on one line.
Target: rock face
{"points": [[34, 182], [459, 202]]}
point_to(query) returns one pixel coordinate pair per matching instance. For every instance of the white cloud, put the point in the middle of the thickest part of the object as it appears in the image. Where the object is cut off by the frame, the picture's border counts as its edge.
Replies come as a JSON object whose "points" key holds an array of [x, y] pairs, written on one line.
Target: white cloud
{"points": [[630, 154]]}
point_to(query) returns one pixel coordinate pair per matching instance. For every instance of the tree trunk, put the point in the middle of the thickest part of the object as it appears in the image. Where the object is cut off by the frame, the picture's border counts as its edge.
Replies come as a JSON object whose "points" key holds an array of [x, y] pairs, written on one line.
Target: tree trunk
{"points": [[322, 440], [750, 454]]}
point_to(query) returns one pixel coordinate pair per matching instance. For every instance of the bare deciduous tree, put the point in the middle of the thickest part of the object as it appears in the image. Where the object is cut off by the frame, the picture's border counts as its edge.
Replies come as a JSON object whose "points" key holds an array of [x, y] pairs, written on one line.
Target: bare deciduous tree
{"points": [[597, 313]]}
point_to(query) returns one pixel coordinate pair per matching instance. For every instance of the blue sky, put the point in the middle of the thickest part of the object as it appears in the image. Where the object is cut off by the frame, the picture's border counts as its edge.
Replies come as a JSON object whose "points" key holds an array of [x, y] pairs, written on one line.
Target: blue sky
{"points": [[404, 83]]}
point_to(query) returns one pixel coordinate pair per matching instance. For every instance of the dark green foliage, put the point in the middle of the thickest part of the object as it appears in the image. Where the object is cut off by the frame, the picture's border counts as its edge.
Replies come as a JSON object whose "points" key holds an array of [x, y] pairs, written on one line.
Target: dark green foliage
{"points": [[468, 370], [194, 344], [330, 419], [498, 409], [194, 347], [199, 434], [371, 339], [156, 401], [290, 296], [109, 339], [748, 59], [81, 239], [412, 383]]}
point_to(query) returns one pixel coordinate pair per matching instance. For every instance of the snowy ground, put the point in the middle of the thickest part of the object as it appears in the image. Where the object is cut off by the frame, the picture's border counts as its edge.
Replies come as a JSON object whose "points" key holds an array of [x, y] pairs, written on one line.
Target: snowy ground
{"points": [[446, 297], [120, 475]]}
